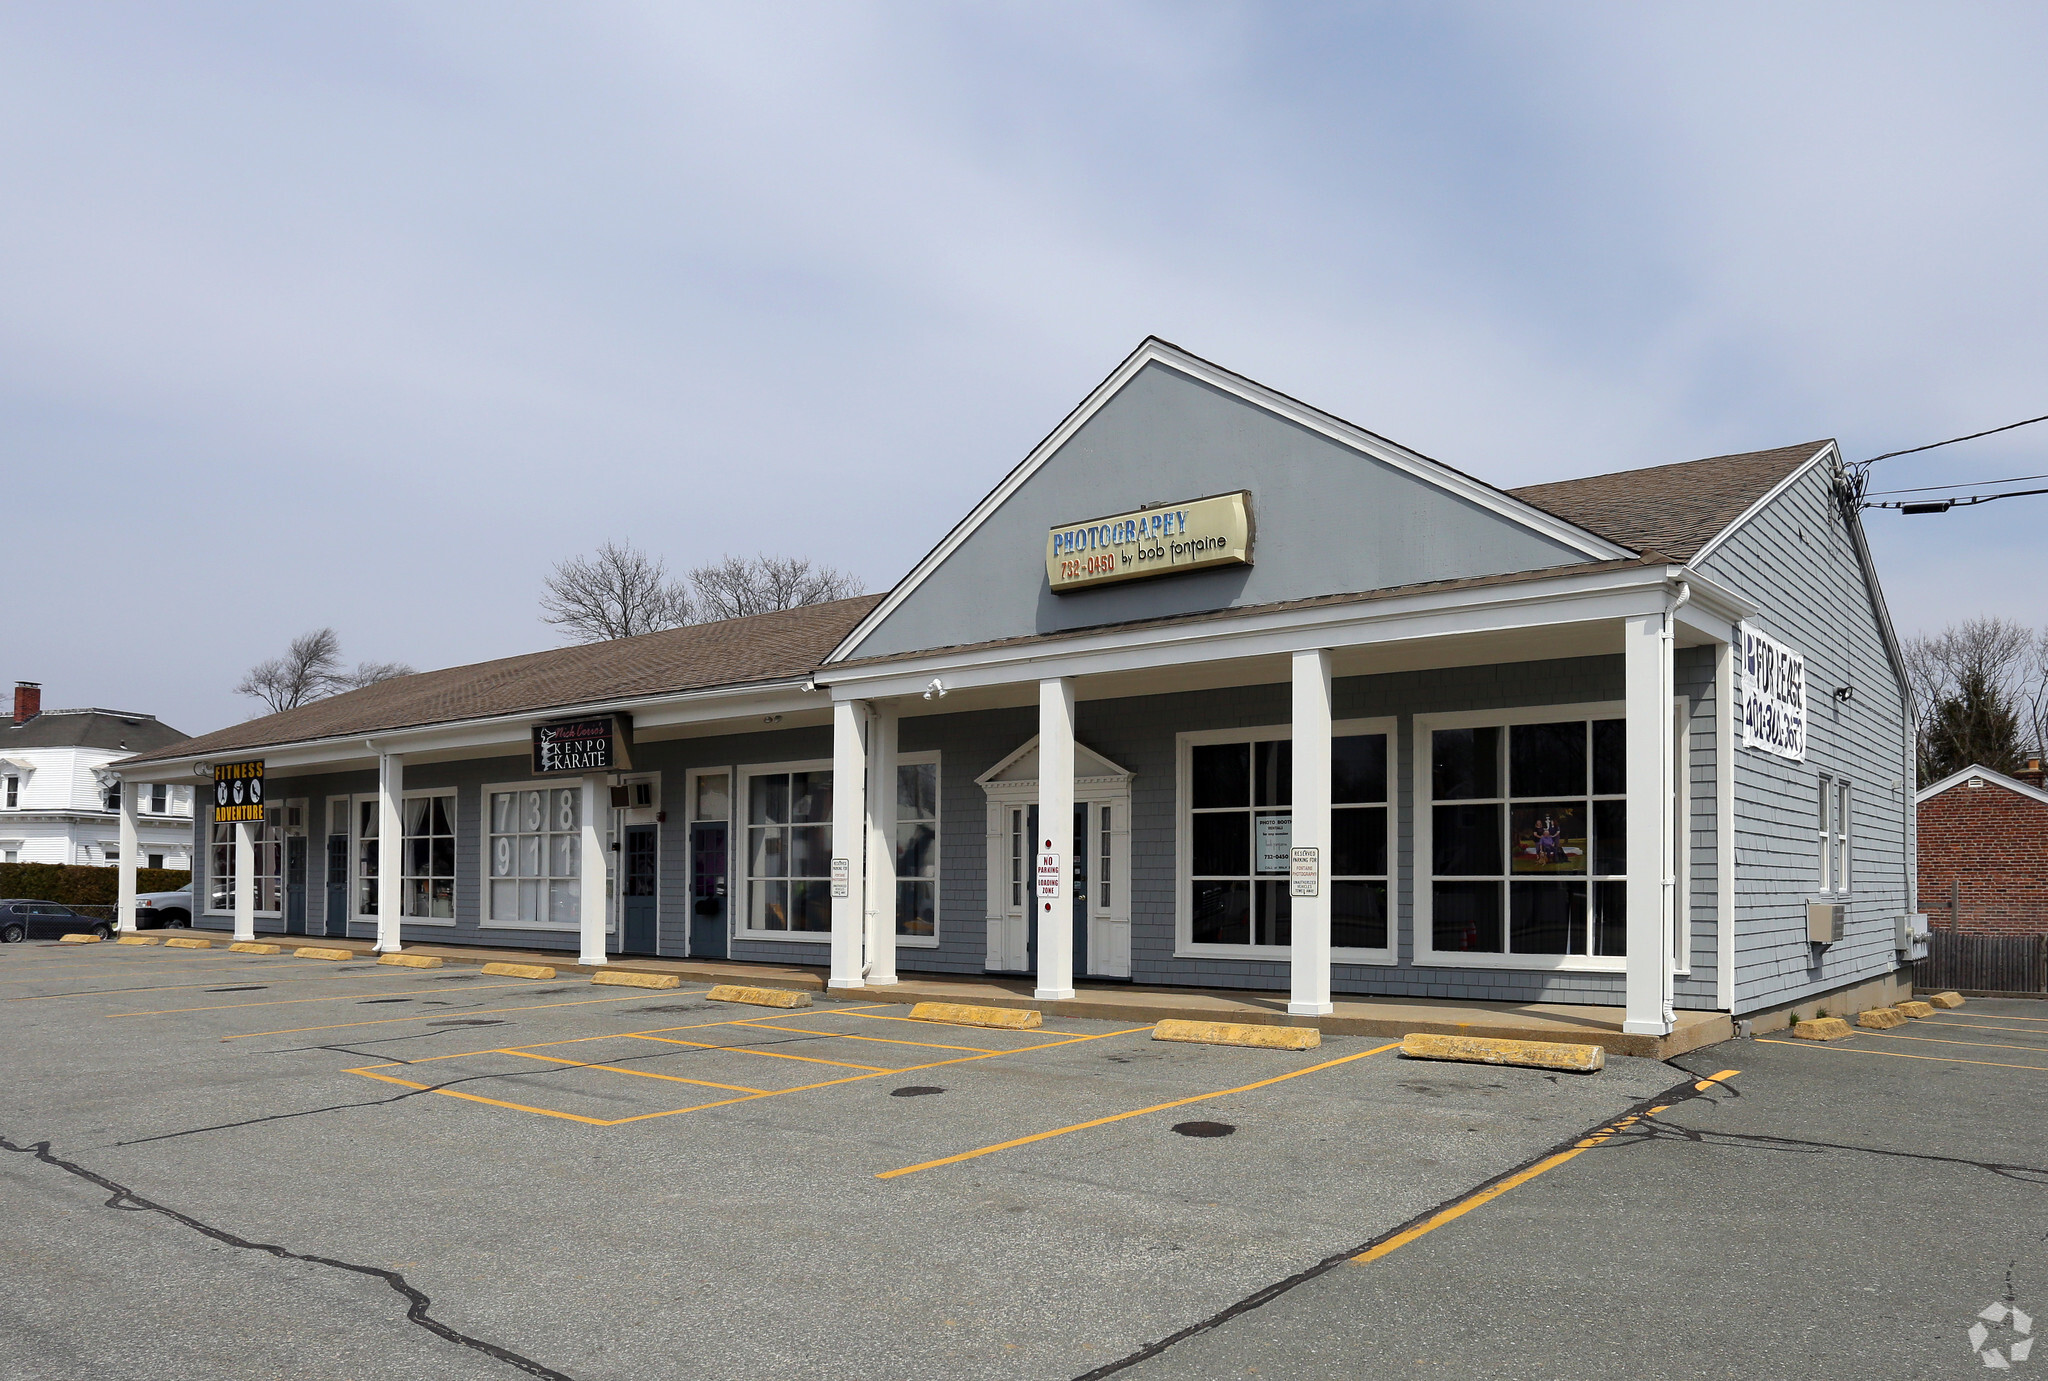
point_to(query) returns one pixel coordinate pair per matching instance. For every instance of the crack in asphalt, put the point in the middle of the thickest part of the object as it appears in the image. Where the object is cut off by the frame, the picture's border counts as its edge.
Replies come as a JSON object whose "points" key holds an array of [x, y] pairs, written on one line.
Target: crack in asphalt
{"points": [[1647, 1131], [418, 1303]]}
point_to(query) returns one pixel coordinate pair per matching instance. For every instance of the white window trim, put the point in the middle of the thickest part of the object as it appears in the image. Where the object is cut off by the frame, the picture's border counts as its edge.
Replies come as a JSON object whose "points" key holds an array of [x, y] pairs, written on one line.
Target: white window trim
{"points": [[620, 819], [1184, 946], [557, 782], [276, 915], [356, 915], [1836, 836], [1426, 954], [737, 907], [930, 941]]}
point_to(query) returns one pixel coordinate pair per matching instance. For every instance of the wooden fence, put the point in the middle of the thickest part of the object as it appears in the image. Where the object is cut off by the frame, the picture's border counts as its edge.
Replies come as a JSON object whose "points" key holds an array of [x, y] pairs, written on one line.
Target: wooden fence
{"points": [[1983, 963]]}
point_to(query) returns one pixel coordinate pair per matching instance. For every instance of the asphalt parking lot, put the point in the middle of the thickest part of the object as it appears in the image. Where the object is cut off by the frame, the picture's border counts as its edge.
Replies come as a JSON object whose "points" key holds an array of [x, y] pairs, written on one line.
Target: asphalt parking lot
{"points": [[210, 1174], [219, 1165]]}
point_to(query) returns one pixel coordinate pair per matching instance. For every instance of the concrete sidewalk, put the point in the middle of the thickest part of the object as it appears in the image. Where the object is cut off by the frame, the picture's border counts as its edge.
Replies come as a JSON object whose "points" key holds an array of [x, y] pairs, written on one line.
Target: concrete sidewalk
{"points": [[1354, 1016]]}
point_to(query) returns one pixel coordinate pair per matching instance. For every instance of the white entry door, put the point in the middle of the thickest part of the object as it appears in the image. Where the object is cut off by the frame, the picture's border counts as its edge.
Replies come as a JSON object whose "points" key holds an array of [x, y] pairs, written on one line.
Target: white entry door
{"points": [[1100, 868]]}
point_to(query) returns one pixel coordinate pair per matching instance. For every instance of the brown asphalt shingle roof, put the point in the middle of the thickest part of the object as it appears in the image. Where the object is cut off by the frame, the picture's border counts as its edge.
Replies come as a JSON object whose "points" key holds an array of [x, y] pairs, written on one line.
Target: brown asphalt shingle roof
{"points": [[1663, 512], [736, 652], [1672, 509]]}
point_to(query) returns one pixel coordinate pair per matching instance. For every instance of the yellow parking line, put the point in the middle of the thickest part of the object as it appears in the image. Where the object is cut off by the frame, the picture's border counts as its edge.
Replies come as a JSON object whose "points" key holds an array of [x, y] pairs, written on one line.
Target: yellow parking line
{"points": [[658, 1030], [2002, 1016], [438, 1014], [1119, 1117], [637, 1073], [1895, 1054], [1980, 1026], [327, 977], [1938, 1040], [748, 1050], [877, 1040], [292, 1001]]}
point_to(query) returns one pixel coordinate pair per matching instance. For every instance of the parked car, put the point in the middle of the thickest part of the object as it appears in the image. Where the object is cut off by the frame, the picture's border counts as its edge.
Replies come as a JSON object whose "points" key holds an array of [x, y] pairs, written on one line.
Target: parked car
{"points": [[155, 910], [47, 920]]}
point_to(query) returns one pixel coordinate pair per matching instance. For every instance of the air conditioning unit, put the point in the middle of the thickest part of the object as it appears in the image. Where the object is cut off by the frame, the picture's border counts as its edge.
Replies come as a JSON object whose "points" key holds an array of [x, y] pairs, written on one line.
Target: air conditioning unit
{"points": [[1911, 935], [1824, 921]]}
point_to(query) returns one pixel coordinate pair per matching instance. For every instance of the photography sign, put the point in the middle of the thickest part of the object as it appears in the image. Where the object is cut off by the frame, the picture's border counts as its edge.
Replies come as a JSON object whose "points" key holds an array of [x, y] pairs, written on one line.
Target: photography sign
{"points": [[596, 744], [1773, 696], [238, 791], [1165, 539]]}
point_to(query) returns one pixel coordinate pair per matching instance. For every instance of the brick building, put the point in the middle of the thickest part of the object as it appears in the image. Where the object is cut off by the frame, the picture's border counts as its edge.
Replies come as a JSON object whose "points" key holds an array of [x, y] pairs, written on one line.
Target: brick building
{"points": [[1984, 852]]}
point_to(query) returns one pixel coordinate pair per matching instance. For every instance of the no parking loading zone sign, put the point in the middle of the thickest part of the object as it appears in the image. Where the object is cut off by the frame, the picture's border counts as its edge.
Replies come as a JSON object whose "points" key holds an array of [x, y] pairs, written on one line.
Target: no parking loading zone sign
{"points": [[238, 791]]}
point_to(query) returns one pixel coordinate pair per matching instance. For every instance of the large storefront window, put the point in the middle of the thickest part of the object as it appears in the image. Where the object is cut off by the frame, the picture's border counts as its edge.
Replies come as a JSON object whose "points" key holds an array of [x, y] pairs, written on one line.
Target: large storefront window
{"points": [[220, 879], [534, 840], [1528, 838], [1240, 832], [429, 879], [917, 849], [788, 849]]}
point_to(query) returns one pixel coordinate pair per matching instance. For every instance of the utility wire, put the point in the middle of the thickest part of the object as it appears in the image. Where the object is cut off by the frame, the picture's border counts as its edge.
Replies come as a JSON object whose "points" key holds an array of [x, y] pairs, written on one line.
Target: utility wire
{"points": [[1922, 489], [1914, 450], [1960, 501]]}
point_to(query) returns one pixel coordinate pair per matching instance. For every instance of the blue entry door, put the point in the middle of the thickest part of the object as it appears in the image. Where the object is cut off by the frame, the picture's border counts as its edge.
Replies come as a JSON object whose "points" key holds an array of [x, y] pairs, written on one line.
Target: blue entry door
{"points": [[708, 899], [636, 894]]}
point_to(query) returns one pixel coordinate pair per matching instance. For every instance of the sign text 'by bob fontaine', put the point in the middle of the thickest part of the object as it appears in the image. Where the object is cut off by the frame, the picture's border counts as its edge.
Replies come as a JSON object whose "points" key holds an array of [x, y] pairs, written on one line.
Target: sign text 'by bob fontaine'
{"points": [[1164, 539], [238, 791], [1773, 696]]}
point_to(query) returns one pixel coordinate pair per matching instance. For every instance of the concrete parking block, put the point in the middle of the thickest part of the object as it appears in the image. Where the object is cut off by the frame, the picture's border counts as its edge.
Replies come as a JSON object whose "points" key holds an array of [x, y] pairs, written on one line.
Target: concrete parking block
{"points": [[315, 952], [1916, 1009], [410, 961], [188, 942], [626, 978], [79, 940], [138, 940], [1822, 1029], [255, 947], [519, 970], [1945, 1000], [1880, 1019], [1577, 1059], [758, 997], [1239, 1033], [961, 1014]]}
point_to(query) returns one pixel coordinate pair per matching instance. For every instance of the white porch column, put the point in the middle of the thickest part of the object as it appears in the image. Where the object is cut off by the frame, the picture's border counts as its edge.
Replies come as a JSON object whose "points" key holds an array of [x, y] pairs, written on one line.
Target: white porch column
{"points": [[1725, 702], [245, 880], [1646, 680], [1056, 837], [881, 836], [390, 852], [592, 861], [849, 840], [1309, 954], [124, 914]]}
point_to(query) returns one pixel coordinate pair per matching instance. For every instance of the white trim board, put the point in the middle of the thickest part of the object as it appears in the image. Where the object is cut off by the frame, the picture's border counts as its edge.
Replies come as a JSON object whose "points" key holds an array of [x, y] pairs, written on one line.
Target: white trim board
{"points": [[1155, 351]]}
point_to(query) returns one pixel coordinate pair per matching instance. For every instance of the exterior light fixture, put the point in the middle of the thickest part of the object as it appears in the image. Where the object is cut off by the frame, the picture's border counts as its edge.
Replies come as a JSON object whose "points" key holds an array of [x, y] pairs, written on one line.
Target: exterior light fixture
{"points": [[936, 688]]}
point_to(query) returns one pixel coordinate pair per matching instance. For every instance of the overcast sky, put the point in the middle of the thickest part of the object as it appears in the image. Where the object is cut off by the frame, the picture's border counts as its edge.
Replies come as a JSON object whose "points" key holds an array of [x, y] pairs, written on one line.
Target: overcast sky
{"points": [[365, 315]]}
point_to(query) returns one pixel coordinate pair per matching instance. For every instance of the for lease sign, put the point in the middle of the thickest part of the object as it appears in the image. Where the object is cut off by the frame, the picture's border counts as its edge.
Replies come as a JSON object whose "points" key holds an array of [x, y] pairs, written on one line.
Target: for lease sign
{"points": [[1773, 696]]}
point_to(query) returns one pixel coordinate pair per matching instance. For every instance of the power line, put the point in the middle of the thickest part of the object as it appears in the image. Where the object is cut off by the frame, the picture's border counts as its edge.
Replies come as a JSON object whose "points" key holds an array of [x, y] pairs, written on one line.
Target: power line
{"points": [[1922, 489], [1914, 450], [1959, 501]]}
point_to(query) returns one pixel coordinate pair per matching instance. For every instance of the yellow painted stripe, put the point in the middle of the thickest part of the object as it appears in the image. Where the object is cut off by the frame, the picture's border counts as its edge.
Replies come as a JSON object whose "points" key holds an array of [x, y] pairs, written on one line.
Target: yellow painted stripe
{"points": [[1494, 1191], [331, 975], [1135, 1112], [566, 1040], [637, 1073], [1980, 1026], [295, 1001], [877, 1040], [2002, 1016], [1895, 1054], [438, 1015], [746, 1050], [1713, 1079], [1939, 1040]]}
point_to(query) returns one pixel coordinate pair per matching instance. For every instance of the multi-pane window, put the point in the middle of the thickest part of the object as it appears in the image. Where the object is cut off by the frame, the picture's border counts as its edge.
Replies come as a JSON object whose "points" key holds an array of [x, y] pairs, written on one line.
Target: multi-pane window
{"points": [[789, 850], [159, 799], [535, 841], [110, 797], [1529, 839], [917, 849], [1105, 872], [13, 792], [1834, 835], [269, 861], [1241, 835], [1020, 854], [429, 879]]}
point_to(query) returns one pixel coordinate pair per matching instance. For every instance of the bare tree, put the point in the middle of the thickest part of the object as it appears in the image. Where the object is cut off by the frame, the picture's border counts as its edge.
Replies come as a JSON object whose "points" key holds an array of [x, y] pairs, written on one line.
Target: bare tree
{"points": [[616, 593], [311, 670], [1978, 688], [740, 585], [304, 673]]}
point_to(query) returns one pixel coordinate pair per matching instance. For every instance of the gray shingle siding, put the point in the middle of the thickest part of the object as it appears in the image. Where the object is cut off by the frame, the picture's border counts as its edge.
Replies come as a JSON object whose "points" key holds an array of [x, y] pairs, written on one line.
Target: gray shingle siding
{"points": [[1796, 561]]}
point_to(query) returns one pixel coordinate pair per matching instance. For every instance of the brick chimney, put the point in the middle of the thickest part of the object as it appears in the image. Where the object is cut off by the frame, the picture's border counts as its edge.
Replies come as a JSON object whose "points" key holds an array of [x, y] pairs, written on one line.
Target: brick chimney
{"points": [[2033, 774], [28, 700]]}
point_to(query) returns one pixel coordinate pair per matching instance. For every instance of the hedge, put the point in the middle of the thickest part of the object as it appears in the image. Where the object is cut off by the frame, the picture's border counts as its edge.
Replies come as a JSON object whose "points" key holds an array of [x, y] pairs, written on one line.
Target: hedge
{"points": [[76, 884]]}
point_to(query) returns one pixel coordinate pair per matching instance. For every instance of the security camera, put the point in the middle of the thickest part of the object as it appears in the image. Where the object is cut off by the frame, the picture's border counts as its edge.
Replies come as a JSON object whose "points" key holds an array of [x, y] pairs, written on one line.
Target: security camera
{"points": [[937, 687]]}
